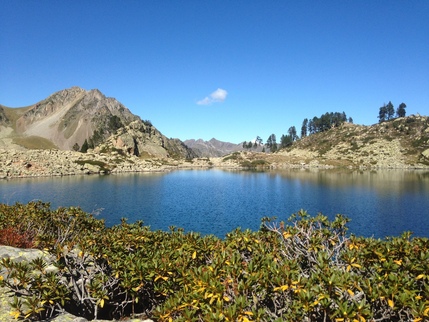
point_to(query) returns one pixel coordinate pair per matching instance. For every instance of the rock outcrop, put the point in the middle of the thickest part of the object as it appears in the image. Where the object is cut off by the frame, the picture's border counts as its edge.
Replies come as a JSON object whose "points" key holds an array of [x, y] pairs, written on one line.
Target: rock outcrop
{"points": [[143, 140]]}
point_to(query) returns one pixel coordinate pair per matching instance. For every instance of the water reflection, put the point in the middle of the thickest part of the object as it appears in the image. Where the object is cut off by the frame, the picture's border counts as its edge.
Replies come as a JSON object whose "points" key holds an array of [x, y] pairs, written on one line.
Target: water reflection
{"points": [[397, 181]]}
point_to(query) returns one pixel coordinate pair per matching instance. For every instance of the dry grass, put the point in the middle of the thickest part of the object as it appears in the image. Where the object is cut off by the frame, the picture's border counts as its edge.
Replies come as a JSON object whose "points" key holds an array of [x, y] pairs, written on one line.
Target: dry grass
{"points": [[34, 142]]}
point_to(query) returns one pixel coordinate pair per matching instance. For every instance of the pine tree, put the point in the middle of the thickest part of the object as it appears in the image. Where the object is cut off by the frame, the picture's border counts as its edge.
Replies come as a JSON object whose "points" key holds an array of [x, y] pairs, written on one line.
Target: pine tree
{"points": [[382, 114], [304, 128], [84, 147], [390, 110], [400, 112]]}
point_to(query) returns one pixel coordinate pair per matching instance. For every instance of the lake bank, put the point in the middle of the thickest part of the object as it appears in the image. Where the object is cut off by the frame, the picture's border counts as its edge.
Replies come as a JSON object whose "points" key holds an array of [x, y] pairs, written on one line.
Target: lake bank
{"points": [[44, 163]]}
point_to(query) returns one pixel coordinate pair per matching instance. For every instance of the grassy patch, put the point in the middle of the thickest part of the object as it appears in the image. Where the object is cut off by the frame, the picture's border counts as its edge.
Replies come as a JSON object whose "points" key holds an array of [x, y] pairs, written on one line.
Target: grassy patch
{"points": [[233, 156], [254, 163], [34, 142], [421, 142]]}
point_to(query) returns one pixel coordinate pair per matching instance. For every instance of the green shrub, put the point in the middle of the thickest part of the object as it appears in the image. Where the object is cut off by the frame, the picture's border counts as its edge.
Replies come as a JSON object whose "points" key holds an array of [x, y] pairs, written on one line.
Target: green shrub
{"points": [[309, 269], [254, 164]]}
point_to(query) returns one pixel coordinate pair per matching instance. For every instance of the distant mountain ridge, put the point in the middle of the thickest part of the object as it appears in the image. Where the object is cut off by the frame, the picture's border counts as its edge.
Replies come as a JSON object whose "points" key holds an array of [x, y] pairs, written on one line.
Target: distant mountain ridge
{"points": [[213, 147], [71, 118]]}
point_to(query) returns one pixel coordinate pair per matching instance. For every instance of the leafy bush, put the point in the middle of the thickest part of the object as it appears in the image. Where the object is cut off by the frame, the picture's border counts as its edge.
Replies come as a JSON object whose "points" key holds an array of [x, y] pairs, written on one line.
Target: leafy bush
{"points": [[254, 164], [46, 228], [12, 237], [309, 269]]}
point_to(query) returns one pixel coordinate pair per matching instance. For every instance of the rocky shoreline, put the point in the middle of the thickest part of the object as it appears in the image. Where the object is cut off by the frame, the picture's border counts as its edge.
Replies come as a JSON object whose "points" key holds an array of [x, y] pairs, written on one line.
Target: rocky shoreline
{"points": [[43, 163], [16, 163]]}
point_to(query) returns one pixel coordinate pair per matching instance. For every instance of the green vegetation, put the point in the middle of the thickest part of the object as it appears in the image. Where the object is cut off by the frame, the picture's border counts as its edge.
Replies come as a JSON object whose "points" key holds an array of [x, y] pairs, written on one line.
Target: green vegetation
{"points": [[287, 140], [84, 147], [233, 156], [308, 269], [326, 122], [253, 164], [387, 112], [34, 142], [271, 143], [103, 166], [309, 127]]}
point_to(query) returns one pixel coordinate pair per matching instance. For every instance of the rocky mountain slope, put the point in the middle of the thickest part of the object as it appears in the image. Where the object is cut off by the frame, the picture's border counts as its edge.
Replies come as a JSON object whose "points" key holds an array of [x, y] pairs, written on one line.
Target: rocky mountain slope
{"points": [[69, 118], [398, 143], [142, 139]]}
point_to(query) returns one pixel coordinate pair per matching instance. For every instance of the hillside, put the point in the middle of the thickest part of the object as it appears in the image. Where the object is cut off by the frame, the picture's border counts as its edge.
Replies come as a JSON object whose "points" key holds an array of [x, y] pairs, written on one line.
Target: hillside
{"points": [[398, 143], [395, 143], [69, 118]]}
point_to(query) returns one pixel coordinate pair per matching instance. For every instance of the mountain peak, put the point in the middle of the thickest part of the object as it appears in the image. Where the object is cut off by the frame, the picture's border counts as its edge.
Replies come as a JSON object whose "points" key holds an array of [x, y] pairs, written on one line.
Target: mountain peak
{"points": [[72, 118]]}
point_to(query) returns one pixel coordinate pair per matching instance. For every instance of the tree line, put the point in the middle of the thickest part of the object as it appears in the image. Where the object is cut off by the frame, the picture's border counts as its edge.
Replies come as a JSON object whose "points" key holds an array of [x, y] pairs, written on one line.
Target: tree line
{"points": [[387, 112], [309, 126], [320, 124]]}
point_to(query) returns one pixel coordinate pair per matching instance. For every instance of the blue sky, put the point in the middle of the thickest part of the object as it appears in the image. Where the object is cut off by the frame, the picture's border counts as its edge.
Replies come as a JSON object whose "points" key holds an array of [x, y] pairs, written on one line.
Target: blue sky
{"points": [[231, 70]]}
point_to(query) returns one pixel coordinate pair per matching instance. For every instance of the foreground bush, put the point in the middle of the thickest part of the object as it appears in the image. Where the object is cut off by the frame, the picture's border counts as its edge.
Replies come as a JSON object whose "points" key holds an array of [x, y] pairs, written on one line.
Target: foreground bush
{"points": [[306, 270]]}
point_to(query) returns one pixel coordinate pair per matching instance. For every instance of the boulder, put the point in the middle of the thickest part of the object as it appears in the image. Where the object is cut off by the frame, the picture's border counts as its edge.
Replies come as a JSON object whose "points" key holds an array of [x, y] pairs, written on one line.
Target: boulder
{"points": [[22, 255], [92, 168]]}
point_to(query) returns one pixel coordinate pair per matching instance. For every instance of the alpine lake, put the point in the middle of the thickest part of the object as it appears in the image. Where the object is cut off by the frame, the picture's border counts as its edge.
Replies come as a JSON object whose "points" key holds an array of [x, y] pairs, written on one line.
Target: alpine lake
{"points": [[379, 203]]}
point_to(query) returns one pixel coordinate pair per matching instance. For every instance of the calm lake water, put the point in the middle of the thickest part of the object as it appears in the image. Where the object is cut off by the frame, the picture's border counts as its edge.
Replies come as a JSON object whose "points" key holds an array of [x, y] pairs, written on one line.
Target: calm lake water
{"points": [[380, 203]]}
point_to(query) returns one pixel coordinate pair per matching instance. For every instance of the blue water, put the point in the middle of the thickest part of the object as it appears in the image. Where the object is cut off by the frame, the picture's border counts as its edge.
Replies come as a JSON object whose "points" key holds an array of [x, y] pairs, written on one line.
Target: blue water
{"points": [[380, 204]]}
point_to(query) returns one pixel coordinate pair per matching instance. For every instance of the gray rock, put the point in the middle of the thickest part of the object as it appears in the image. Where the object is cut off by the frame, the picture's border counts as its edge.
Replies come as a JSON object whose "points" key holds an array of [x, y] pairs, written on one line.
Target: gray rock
{"points": [[22, 255], [92, 168]]}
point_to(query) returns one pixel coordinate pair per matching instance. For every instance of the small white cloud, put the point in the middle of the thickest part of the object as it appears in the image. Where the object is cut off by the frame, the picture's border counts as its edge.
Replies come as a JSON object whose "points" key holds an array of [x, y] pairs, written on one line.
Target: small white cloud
{"points": [[205, 101], [218, 95]]}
